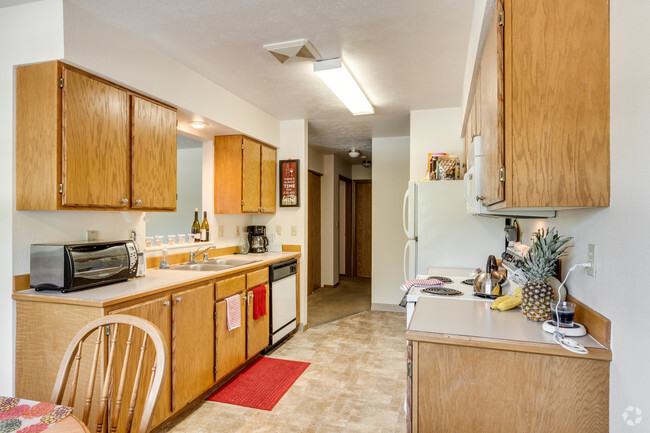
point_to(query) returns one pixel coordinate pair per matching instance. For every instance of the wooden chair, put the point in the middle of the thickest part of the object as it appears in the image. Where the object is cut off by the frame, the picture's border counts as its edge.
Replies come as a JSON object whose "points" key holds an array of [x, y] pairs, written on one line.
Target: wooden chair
{"points": [[110, 405]]}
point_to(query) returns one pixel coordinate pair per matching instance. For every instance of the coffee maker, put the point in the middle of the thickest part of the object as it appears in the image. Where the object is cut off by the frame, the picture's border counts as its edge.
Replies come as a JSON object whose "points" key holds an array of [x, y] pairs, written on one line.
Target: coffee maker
{"points": [[257, 239]]}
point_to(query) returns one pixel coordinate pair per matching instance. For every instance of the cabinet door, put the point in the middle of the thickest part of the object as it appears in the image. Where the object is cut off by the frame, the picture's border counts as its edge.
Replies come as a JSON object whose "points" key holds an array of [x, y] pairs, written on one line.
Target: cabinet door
{"points": [[228, 174], [158, 312], [251, 176], [95, 145], [490, 113], [192, 343], [231, 345], [257, 333], [268, 176], [153, 155]]}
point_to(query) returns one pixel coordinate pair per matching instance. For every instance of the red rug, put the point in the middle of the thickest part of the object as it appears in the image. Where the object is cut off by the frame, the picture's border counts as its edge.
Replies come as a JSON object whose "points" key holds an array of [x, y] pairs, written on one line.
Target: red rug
{"points": [[262, 384]]}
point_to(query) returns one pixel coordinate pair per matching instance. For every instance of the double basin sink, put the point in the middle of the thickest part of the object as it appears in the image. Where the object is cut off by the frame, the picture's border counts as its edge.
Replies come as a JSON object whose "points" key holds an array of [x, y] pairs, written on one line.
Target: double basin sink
{"points": [[214, 265]]}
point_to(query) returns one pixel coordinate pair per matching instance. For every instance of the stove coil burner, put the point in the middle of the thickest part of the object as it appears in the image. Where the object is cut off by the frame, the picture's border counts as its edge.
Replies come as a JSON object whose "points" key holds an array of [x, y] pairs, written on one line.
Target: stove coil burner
{"points": [[469, 282], [443, 279], [444, 291]]}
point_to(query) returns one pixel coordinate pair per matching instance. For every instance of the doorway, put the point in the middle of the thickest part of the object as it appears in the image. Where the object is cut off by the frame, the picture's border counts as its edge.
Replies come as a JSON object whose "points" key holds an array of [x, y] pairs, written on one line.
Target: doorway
{"points": [[314, 236], [345, 226], [363, 228]]}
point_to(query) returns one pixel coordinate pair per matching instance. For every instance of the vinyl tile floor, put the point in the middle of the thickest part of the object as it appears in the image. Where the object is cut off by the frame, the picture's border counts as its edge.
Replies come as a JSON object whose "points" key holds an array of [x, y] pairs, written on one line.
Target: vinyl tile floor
{"points": [[356, 383]]}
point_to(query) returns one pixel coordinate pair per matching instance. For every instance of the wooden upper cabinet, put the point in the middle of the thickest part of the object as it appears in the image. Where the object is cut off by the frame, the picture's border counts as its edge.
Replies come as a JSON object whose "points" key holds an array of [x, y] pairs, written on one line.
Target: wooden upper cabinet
{"points": [[251, 179], [543, 93], [95, 150], [268, 176], [80, 144], [489, 112], [244, 175], [153, 155]]}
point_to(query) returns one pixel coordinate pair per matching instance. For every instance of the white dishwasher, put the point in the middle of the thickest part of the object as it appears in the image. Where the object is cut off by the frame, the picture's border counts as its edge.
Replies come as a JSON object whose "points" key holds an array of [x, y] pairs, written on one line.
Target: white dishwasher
{"points": [[283, 299]]}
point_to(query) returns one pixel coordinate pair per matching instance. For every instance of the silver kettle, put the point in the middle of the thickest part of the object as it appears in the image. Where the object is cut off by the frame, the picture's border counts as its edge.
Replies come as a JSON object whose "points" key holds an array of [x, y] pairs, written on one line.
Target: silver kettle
{"points": [[490, 283]]}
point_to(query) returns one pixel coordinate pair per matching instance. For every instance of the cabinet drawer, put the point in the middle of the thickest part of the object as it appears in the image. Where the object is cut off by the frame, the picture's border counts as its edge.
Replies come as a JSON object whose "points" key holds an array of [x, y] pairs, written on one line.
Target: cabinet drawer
{"points": [[257, 277], [230, 286]]}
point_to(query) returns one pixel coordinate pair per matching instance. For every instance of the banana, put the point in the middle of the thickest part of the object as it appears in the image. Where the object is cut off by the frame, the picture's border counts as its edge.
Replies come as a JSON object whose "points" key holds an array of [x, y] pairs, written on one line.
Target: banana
{"points": [[512, 302], [498, 301]]}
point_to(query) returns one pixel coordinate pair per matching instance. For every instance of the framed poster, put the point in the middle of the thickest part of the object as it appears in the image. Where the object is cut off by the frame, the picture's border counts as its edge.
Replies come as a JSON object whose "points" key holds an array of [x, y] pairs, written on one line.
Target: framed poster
{"points": [[289, 187]]}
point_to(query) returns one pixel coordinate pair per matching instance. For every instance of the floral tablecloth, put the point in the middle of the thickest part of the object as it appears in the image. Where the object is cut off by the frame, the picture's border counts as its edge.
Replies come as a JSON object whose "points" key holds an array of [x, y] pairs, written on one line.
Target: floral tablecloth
{"points": [[26, 416]]}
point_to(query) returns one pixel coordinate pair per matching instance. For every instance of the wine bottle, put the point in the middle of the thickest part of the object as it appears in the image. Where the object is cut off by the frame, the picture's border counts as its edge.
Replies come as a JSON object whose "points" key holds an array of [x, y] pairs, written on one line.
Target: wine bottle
{"points": [[196, 228], [205, 228]]}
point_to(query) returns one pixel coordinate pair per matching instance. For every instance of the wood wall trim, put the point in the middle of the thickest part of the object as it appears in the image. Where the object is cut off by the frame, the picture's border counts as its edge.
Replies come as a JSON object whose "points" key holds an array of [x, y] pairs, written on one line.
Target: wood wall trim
{"points": [[291, 248], [21, 282], [598, 326]]}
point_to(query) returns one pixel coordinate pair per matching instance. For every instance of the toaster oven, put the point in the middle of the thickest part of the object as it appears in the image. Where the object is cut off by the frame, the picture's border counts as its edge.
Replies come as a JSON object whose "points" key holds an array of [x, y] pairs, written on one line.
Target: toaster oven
{"points": [[73, 266]]}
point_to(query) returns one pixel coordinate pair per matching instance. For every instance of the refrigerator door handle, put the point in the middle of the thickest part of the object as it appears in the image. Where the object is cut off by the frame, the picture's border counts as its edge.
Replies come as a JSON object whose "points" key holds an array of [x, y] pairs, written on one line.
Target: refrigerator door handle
{"points": [[404, 213], [404, 263]]}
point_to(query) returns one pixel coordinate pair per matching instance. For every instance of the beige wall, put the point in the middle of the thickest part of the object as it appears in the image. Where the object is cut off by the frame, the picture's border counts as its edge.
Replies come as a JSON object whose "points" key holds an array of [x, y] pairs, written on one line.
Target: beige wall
{"points": [[390, 181]]}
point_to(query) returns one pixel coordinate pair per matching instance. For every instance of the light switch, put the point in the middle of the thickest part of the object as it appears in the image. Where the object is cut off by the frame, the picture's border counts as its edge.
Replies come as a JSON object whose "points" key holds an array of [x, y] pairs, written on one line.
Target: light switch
{"points": [[220, 230], [294, 231], [278, 230]]}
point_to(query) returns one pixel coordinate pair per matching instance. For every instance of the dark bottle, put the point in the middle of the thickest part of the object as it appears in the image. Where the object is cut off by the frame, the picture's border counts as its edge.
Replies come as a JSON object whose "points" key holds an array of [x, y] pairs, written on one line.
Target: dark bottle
{"points": [[196, 228], [205, 228]]}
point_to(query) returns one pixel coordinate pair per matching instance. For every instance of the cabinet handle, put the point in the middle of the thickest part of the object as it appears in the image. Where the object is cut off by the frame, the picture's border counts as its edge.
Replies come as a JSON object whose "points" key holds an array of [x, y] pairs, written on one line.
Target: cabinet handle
{"points": [[259, 207], [263, 209], [124, 201], [179, 299], [166, 304], [138, 202]]}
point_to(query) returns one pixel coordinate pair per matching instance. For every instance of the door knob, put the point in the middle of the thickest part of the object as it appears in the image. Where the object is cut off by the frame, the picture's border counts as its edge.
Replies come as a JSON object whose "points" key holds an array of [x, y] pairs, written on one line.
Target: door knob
{"points": [[166, 304], [124, 201], [179, 299], [138, 202]]}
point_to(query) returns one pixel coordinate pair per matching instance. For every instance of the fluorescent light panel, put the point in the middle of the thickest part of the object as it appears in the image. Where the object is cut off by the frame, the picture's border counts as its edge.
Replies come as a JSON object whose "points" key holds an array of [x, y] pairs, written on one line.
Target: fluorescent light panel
{"points": [[337, 77]]}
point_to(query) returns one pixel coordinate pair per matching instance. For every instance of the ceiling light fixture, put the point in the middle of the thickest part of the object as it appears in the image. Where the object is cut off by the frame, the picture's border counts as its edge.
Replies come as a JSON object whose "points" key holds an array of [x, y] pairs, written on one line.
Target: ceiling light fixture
{"points": [[353, 153], [337, 77], [197, 124]]}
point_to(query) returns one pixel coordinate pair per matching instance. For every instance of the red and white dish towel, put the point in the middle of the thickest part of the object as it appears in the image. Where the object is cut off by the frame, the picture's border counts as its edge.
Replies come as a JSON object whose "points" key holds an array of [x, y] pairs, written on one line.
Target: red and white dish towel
{"points": [[233, 312], [433, 282], [259, 302]]}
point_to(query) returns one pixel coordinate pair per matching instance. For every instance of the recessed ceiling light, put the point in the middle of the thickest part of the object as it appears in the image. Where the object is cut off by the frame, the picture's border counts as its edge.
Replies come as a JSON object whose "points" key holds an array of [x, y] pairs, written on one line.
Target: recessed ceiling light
{"points": [[197, 124]]}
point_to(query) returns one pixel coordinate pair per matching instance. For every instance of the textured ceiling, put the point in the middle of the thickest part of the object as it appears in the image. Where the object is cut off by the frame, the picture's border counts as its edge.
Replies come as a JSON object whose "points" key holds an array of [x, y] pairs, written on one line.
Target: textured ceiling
{"points": [[407, 55]]}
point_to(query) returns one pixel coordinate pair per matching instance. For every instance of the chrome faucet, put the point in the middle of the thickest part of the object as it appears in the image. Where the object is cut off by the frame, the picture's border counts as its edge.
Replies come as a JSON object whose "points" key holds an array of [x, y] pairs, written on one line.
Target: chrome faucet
{"points": [[200, 251]]}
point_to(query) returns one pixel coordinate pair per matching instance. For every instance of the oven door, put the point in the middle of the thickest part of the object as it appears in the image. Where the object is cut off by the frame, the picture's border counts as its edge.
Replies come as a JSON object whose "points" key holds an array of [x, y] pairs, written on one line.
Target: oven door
{"points": [[97, 264]]}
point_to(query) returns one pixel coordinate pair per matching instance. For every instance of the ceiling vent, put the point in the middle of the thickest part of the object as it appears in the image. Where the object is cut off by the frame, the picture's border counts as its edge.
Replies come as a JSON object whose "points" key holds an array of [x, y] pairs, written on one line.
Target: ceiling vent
{"points": [[300, 49]]}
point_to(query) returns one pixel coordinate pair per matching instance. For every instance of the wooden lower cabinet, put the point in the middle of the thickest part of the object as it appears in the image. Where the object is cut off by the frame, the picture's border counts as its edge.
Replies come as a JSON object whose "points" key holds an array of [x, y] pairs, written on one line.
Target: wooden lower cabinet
{"points": [[158, 312], [230, 344], [457, 388], [257, 331], [192, 350]]}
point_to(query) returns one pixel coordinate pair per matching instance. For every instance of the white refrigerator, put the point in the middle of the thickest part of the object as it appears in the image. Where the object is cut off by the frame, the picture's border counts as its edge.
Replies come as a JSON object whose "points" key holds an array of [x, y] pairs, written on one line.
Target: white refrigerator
{"points": [[442, 234]]}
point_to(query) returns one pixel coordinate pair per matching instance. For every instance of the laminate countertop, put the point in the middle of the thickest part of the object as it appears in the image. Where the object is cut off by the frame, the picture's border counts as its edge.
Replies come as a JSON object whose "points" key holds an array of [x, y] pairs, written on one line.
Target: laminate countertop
{"points": [[459, 322], [155, 281]]}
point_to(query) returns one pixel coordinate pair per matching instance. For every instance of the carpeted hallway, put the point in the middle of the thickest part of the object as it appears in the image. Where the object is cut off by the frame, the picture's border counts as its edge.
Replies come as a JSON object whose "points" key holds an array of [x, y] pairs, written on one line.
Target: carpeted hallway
{"points": [[327, 304]]}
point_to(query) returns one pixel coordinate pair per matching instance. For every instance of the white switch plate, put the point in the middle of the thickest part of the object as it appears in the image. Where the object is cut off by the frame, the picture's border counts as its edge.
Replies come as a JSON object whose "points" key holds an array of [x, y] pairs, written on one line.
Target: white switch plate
{"points": [[591, 258], [91, 235], [237, 230], [220, 230], [278, 230], [294, 231]]}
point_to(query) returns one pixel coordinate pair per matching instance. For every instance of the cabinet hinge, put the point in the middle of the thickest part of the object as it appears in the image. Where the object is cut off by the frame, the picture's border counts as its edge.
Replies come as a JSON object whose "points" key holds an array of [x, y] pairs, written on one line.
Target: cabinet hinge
{"points": [[409, 369], [61, 82], [242, 145], [214, 315], [60, 188], [242, 202], [501, 19], [502, 174], [214, 369]]}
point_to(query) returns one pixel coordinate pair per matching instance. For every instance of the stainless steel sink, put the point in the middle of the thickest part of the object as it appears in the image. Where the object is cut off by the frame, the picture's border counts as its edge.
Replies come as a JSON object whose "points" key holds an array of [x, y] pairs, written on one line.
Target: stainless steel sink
{"points": [[233, 262], [214, 267]]}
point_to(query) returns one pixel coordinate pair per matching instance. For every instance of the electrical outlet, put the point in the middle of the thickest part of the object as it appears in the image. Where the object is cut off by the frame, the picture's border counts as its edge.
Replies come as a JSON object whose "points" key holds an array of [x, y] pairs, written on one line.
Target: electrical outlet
{"points": [[220, 230], [294, 231], [591, 258], [91, 235], [278, 230], [237, 230]]}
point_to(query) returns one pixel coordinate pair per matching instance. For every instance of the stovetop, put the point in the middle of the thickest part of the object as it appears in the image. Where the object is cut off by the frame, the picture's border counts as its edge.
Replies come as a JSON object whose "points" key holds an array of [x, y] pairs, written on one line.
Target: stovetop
{"points": [[456, 281]]}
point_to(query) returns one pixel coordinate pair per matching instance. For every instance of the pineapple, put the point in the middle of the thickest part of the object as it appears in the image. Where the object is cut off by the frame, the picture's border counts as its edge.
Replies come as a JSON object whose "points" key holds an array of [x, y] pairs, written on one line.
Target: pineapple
{"points": [[538, 265]]}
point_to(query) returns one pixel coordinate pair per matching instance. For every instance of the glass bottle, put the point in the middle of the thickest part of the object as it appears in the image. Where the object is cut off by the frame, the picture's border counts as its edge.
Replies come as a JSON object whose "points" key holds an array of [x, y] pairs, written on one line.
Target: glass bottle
{"points": [[243, 245]]}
